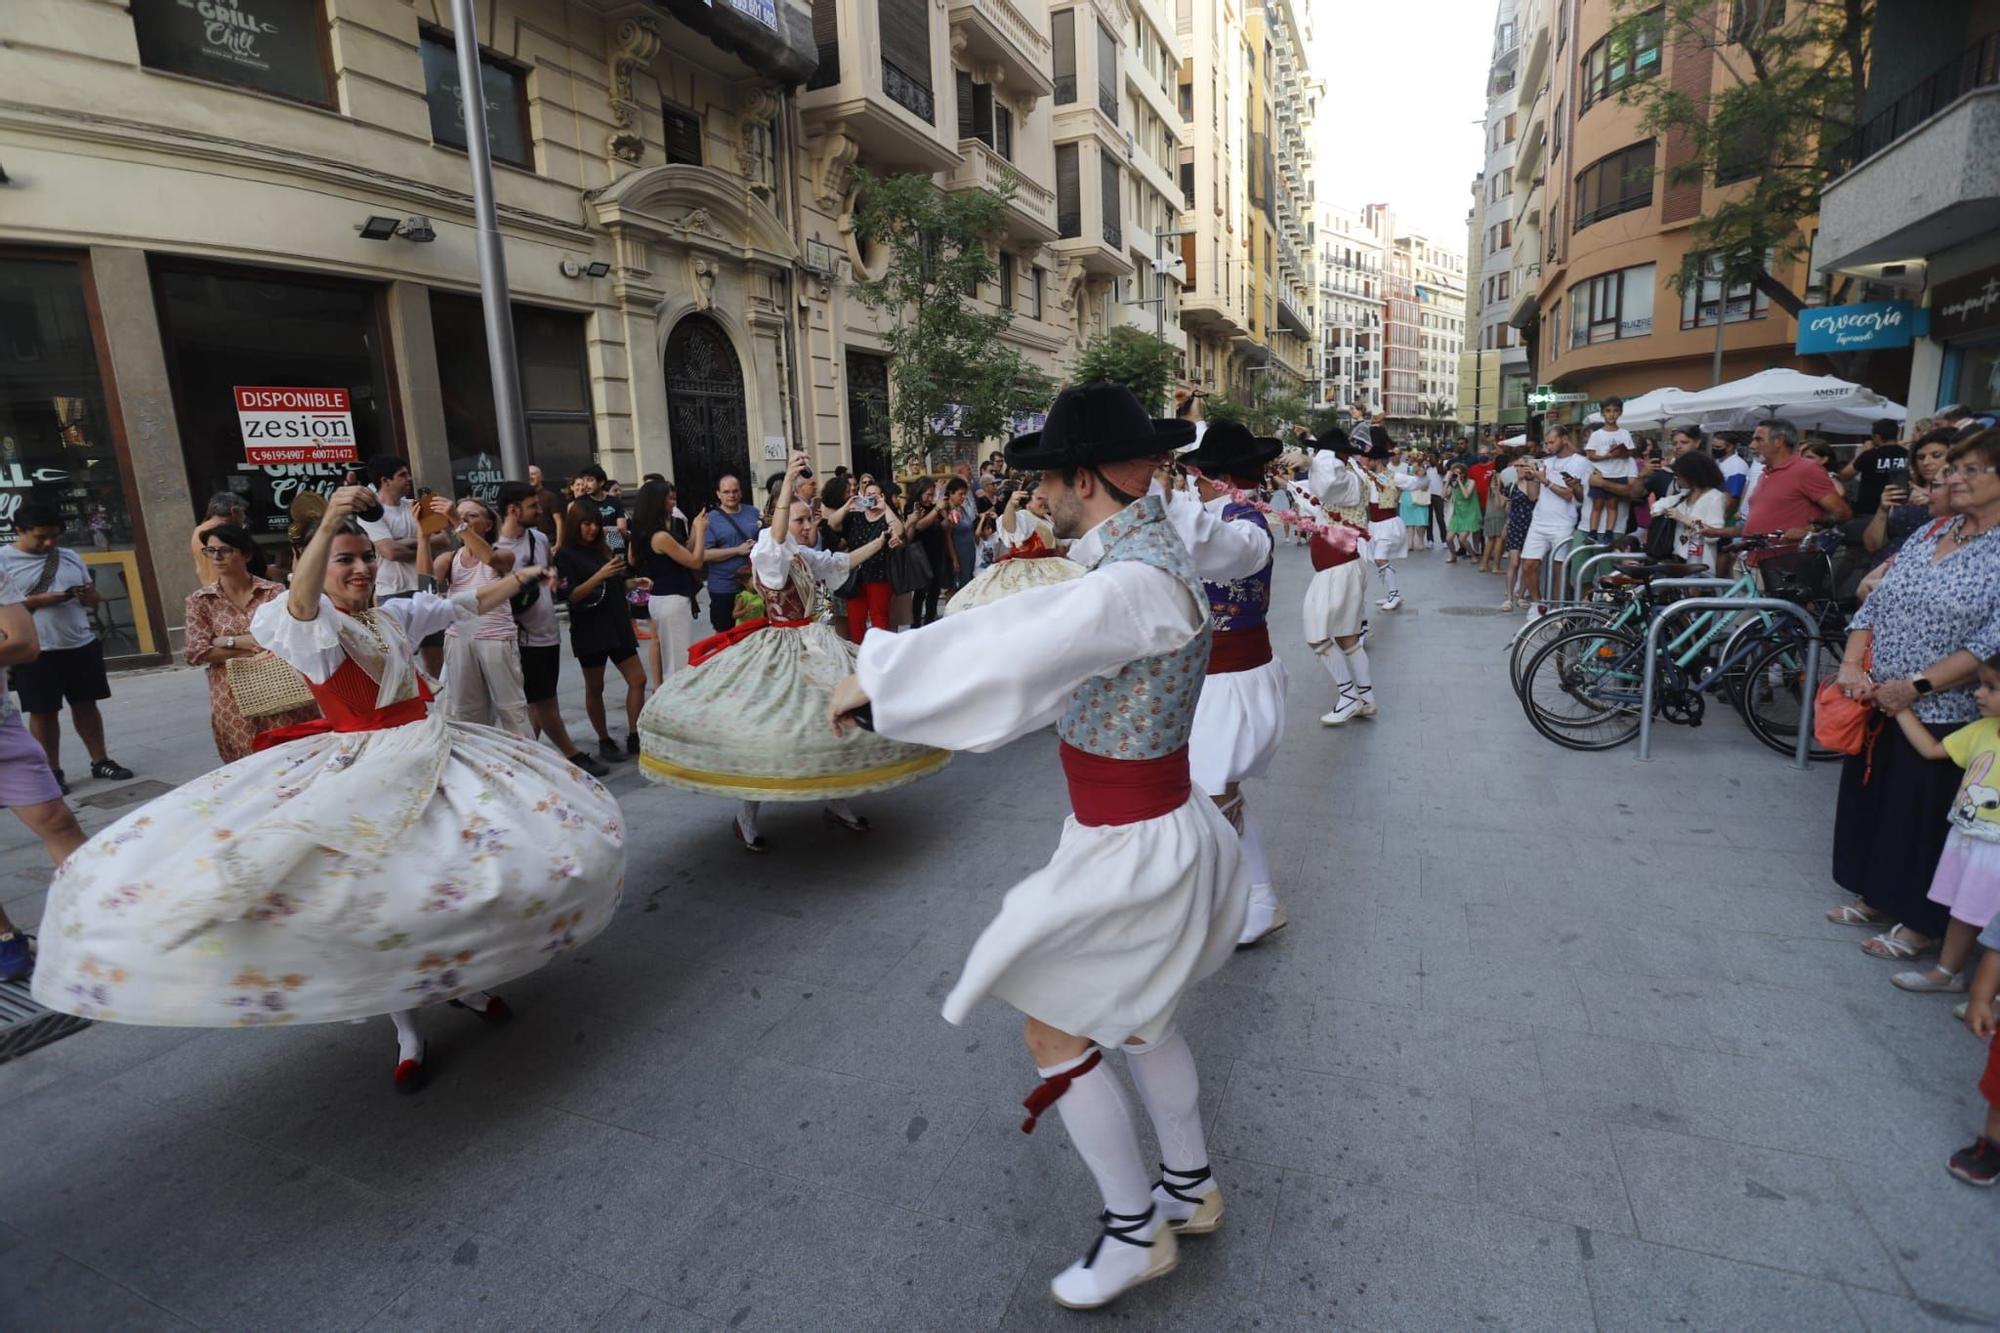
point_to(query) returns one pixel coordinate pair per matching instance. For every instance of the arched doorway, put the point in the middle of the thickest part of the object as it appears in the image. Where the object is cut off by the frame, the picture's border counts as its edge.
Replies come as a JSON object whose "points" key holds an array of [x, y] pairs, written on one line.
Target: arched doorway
{"points": [[711, 434]]}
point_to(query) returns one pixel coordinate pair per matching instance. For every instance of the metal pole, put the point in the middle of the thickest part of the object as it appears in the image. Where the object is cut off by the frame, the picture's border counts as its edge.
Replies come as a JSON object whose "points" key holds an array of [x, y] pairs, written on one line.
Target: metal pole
{"points": [[1721, 326], [1650, 679], [1554, 562], [493, 295]]}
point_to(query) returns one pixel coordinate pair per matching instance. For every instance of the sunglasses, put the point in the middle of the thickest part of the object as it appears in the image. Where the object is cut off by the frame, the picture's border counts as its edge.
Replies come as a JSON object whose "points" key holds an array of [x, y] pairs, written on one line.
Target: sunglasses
{"points": [[219, 552]]}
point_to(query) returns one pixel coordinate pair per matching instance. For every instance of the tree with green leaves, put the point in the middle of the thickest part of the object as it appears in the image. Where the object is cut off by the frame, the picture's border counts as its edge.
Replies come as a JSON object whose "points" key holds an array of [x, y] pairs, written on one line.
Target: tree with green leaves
{"points": [[1131, 357], [952, 376], [1792, 74]]}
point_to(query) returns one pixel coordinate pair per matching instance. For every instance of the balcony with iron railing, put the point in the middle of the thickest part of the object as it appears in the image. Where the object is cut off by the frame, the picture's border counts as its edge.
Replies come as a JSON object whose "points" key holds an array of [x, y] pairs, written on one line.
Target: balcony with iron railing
{"points": [[889, 112], [1920, 176]]}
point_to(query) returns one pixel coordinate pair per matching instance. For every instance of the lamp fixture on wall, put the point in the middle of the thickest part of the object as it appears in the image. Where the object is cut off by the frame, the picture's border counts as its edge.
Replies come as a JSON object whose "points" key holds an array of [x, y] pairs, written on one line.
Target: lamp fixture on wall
{"points": [[596, 268], [380, 227]]}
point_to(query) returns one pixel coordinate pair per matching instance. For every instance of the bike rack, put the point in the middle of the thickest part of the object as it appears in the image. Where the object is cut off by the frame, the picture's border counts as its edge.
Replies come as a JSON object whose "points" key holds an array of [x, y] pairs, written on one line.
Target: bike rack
{"points": [[1578, 554], [1551, 563], [1583, 573], [1651, 679]]}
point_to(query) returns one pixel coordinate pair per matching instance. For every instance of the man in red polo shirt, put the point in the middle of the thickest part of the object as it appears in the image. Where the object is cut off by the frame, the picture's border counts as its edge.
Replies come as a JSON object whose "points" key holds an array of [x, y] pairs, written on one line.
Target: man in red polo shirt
{"points": [[1794, 493]]}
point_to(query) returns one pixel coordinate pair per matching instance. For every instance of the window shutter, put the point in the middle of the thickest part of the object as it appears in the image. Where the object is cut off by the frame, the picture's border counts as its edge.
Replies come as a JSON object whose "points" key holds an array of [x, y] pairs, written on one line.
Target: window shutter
{"points": [[906, 43], [982, 113], [1003, 132], [1107, 73], [965, 87], [683, 129], [1111, 181], [1069, 191], [826, 36], [1062, 37]]}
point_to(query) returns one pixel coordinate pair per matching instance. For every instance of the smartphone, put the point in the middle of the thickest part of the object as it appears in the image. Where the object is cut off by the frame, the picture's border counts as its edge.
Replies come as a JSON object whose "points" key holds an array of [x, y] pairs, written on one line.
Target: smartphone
{"points": [[1897, 473]]}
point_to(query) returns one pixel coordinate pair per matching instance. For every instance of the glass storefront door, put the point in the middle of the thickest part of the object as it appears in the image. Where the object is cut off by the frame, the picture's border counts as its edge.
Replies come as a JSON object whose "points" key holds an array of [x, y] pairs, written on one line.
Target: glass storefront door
{"points": [[57, 442], [224, 327]]}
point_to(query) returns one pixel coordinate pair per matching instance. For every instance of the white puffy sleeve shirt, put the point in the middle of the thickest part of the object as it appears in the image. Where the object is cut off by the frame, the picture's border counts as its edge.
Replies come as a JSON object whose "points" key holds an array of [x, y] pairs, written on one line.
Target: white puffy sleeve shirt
{"points": [[1224, 549], [771, 559], [1332, 481], [313, 646], [977, 680]]}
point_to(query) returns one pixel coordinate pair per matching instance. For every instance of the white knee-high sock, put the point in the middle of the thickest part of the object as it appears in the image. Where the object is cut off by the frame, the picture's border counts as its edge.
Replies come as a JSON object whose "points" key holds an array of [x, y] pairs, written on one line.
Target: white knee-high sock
{"points": [[1255, 863], [409, 1043], [1357, 662], [1100, 1125], [1336, 666], [1165, 1076], [746, 818], [1388, 573]]}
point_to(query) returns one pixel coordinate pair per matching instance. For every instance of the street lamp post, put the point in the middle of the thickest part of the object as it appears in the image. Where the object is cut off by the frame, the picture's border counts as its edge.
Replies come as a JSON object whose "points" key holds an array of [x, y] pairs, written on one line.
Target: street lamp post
{"points": [[493, 295]]}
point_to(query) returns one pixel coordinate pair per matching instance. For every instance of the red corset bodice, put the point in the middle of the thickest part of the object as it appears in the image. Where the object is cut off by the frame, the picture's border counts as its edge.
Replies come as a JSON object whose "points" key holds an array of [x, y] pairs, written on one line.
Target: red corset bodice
{"points": [[347, 703]]}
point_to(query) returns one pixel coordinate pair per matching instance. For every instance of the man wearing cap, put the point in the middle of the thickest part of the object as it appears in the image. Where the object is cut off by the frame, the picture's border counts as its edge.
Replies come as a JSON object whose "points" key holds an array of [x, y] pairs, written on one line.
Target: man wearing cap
{"points": [[1336, 605], [1241, 713], [1145, 894]]}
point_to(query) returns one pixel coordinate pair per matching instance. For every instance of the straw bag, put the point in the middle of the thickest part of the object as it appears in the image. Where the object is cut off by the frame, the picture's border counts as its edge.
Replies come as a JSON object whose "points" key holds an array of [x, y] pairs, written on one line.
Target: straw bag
{"points": [[266, 685]]}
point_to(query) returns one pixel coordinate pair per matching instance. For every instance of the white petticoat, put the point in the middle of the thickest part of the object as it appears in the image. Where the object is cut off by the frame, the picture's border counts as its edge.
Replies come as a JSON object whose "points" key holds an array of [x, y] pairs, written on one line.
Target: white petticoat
{"points": [[1104, 940], [1004, 578], [333, 877], [1336, 603], [1238, 722], [1391, 538]]}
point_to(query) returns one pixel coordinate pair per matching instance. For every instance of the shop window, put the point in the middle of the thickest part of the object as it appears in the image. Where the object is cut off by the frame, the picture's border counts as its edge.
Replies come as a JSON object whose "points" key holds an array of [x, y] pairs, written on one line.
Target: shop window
{"points": [[224, 327], [505, 85], [273, 46], [56, 440], [1612, 306], [555, 392], [1617, 183], [683, 133]]}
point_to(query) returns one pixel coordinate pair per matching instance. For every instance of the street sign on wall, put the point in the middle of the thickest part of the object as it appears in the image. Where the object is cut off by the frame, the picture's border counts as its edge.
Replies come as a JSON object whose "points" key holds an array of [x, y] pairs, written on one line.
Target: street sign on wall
{"points": [[295, 425], [1542, 396]]}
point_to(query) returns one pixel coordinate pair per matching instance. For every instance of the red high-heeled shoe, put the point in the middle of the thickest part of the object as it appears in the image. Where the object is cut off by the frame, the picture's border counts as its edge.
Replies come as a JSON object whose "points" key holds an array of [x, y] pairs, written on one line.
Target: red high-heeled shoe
{"points": [[409, 1074], [496, 1010]]}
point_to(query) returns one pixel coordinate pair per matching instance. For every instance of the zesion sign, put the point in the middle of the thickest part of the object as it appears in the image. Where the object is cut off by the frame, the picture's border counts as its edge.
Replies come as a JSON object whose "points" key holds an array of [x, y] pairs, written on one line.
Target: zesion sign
{"points": [[296, 425]]}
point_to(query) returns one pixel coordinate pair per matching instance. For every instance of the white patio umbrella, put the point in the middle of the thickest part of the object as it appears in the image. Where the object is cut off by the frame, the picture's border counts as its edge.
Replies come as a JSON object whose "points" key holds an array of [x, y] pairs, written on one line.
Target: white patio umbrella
{"points": [[1649, 410], [1812, 402]]}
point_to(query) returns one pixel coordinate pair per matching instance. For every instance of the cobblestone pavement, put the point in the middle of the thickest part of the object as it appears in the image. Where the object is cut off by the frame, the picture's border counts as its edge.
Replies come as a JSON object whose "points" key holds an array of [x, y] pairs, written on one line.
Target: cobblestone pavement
{"points": [[1553, 1041]]}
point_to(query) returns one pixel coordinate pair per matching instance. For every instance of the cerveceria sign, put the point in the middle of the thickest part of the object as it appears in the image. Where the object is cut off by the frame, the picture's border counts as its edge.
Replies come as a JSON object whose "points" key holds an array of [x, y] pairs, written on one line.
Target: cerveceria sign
{"points": [[296, 425]]}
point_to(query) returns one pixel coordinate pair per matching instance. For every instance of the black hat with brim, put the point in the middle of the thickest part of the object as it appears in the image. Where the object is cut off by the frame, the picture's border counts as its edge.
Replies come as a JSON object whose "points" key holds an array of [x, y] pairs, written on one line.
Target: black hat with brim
{"points": [[1089, 424], [1335, 439], [1228, 449]]}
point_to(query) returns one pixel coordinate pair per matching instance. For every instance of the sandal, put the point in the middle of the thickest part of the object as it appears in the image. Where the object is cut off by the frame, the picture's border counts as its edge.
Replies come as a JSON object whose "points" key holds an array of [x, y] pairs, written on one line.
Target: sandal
{"points": [[1856, 913], [1894, 944], [1927, 982]]}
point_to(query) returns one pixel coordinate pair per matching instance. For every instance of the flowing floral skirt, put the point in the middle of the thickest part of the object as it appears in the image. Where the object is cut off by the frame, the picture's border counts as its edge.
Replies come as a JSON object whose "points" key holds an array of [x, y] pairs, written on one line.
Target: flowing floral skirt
{"points": [[751, 722], [1004, 578], [334, 877]]}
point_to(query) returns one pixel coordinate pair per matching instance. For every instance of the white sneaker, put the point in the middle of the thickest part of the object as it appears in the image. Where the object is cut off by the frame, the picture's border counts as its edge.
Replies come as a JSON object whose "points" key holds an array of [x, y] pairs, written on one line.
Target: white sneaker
{"points": [[1341, 711], [1130, 1251], [1392, 602], [1191, 1201]]}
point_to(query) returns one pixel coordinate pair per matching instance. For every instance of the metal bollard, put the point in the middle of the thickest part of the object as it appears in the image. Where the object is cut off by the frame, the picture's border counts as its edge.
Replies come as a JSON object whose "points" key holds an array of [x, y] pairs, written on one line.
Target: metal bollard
{"points": [[1651, 679]]}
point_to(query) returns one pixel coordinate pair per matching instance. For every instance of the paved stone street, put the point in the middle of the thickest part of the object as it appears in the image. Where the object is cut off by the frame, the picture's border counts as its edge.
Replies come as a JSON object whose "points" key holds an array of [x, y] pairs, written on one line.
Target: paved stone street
{"points": [[1554, 1041]]}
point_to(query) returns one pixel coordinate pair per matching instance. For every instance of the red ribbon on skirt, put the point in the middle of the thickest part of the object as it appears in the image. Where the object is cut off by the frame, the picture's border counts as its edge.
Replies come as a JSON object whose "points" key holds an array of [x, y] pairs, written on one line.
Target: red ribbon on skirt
{"points": [[715, 643], [1124, 791]]}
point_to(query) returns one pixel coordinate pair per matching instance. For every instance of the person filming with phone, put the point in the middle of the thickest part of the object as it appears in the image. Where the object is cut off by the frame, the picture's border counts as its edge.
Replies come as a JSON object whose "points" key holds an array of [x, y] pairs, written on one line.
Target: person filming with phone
{"points": [[58, 590]]}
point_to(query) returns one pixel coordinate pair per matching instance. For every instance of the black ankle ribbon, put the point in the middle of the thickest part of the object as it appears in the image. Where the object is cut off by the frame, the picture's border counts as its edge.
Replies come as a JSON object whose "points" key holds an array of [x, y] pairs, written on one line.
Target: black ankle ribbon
{"points": [[1128, 1232]]}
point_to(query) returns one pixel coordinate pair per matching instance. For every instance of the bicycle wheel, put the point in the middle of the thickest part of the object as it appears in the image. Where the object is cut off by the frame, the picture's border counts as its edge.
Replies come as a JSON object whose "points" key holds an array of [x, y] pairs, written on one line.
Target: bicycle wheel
{"points": [[1531, 639], [1773, 693], [1581, 690]]}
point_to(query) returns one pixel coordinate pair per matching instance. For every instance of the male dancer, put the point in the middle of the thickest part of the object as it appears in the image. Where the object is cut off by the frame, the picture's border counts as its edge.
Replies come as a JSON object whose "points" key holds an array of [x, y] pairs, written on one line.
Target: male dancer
{"points": [[1145, 894], [1336, 605], [1382, 486], [1241, 714]]}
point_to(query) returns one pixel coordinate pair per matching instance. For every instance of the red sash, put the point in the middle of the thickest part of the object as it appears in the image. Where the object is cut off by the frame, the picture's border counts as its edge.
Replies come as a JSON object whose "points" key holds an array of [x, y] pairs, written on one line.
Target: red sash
{"points": [[381, 719], [715, 643], [1124, 791], [1381, 513], [1032, 549], [1239, 650]]}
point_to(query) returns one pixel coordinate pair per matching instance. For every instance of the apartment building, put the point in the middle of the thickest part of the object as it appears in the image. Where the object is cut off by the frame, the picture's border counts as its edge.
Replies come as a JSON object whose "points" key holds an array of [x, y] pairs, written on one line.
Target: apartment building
{"points": [[1493, 377], [1597, 211], [1913, 220], [1351, 305], [1214, 99], [1283, 110], [1437, 276], [275, 193]]}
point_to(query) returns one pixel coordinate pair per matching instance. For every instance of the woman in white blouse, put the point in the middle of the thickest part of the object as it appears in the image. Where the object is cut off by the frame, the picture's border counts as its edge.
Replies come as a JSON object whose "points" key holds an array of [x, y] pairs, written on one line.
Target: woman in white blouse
{"points": [[1697, 500]]}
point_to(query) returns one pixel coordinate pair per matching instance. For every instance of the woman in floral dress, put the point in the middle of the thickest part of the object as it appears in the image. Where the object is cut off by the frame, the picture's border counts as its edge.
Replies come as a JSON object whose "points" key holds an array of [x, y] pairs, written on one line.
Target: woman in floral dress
{"points": [[375, 860], [218, 631], [748, 718]]}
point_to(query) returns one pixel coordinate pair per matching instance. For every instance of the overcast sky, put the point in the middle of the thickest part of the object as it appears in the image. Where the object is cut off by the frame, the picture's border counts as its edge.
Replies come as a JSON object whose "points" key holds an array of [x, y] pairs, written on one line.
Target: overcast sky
{"points": [[1406, 102]]}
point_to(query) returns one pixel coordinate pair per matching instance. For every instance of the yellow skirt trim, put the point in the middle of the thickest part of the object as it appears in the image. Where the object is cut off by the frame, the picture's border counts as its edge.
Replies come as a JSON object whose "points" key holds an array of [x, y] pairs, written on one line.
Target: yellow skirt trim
{"points": [[908, 768]]}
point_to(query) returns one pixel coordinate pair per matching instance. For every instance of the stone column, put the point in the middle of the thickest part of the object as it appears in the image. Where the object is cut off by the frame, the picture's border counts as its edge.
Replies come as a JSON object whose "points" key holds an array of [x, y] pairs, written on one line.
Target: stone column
{"points": [[138, 375], [419, 393]]}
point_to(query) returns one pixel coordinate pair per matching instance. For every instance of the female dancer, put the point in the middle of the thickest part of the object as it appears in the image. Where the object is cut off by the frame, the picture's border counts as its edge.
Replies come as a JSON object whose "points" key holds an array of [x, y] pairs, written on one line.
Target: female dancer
{"points": [[1032, 558], [748, 719], [373, 861]]}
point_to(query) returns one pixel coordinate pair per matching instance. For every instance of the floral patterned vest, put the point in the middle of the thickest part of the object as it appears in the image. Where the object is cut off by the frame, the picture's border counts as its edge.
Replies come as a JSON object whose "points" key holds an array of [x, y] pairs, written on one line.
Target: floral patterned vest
{"points": [[1243, 603], [795, 600], [1146, 708]]}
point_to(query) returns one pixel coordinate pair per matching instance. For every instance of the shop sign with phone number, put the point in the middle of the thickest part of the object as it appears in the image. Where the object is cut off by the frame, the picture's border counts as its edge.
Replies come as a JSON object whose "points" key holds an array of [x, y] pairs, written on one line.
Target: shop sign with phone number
{"points": [[295, 425]]}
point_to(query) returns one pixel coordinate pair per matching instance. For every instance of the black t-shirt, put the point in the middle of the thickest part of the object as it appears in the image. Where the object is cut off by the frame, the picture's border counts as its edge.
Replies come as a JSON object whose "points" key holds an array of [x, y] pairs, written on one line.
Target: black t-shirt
{"points": [[602, 621], [1876, 469]]}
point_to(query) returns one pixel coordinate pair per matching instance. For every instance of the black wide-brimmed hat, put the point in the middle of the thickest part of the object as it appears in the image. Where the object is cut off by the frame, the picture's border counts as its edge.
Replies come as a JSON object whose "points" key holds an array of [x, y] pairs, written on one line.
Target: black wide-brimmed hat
{"points": [[1335, 439], [1096, 423], [1228, 449]]}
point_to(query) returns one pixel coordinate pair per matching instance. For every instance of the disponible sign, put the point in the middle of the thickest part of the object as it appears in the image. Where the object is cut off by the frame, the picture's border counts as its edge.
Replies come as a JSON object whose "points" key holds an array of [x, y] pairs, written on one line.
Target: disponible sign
{"points": [[1855, 328], [296, 425]]}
